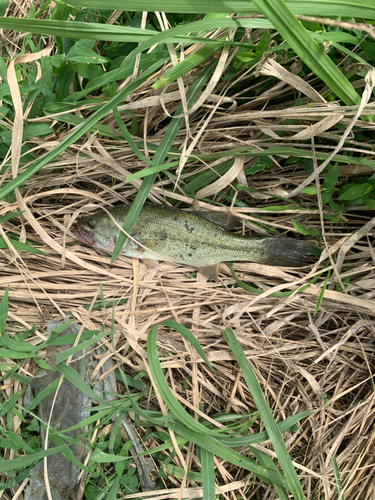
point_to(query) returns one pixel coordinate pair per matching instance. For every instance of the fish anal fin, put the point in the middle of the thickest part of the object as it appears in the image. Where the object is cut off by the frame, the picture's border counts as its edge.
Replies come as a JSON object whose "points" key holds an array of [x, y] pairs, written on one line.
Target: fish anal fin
{"points": [[211, 271], [225, 220]]}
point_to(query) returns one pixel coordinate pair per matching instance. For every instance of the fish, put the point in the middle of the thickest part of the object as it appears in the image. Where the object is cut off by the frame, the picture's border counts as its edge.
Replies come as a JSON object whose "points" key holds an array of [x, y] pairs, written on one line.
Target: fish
{"points": [[198, 239]]}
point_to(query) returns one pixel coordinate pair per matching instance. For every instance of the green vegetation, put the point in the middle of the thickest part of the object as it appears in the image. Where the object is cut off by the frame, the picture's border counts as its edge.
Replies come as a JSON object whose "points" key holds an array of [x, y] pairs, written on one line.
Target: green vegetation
{"points": [[76, 88]]}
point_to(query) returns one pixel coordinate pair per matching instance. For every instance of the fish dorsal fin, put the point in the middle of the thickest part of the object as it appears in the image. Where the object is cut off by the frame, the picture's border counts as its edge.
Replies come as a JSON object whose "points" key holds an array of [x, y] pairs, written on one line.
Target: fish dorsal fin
{"points": [[225, 220], [211, 271]]}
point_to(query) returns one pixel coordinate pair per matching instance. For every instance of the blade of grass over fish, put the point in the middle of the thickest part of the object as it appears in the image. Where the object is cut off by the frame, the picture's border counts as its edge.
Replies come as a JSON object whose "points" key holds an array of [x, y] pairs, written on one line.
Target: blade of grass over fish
{"points": [[4, 311], [159, 156], [307, 49], [213, 446], [158, 379], [78, 132], [208, 474], [349, 8], [265, 413]]}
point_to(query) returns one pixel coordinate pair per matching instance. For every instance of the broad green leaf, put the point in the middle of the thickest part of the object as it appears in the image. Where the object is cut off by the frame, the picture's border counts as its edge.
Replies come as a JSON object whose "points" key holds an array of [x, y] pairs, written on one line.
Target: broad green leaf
{"points": [[309, 190], [370, 203], [355, 191], [330, 179], [306, 231], [84, 55], [263, 44]]}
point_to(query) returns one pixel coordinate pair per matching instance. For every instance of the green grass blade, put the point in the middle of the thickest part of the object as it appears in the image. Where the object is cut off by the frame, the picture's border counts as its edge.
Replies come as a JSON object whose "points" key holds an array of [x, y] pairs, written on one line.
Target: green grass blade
{"points": [[183, 67], [4, 311], [151, 170], [188, 336], [112, 495], [267, 461], [213, 446], [348, 8], [9, 403], [265, 413], [285, 425], [43, 394], [20, 246], [73, 377], [158, 379], [208, 474], [340, 494], [321, 295], [12, 215], [307, 49], [25, 461]]}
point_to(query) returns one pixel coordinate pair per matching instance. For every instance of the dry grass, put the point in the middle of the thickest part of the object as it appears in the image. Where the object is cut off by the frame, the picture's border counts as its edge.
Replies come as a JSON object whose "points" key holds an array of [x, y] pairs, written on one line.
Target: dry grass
{"points": [[323, 362]]}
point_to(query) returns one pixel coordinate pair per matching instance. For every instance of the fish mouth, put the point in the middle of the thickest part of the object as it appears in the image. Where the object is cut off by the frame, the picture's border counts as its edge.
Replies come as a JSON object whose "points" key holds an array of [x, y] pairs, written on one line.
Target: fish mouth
{"points": [[84, 235]]}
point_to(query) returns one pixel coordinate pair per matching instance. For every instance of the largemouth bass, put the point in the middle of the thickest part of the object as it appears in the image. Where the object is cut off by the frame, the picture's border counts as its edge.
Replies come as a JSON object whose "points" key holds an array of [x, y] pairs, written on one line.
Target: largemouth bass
{"points": [[197, 239]]}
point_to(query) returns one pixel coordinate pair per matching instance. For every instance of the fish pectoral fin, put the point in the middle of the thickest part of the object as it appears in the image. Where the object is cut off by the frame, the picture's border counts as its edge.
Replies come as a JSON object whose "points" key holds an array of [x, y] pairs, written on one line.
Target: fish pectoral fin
{"points": [[211, 271], [225, 220], [151, 262]]}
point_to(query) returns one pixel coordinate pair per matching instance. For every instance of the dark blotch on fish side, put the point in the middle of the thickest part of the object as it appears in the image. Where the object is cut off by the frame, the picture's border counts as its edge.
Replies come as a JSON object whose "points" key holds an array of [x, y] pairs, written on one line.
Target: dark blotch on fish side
{"points": [[190, 254], [163, 236], [189, 229]]}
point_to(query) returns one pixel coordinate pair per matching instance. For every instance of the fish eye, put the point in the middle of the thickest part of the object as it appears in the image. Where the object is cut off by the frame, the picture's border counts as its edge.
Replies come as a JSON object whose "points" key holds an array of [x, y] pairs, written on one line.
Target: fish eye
{"points": [[91, 222]]}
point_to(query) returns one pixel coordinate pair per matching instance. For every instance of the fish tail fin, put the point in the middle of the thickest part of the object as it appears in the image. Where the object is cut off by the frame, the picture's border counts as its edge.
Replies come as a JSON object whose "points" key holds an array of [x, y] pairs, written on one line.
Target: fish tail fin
{"points": [[287, 252]]}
